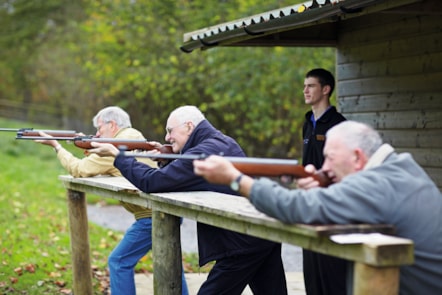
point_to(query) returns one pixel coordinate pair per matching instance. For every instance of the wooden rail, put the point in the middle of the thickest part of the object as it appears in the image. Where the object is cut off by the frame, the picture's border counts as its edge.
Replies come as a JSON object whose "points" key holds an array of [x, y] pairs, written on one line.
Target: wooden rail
{"points": [[376, 260]]}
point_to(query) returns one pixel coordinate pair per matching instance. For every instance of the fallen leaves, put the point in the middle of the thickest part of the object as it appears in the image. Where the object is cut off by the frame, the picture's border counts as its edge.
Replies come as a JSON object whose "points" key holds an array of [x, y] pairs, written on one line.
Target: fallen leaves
{"points": [[54, 279], [54, 274], [18, 271], [60, 283], [102, 276], [30, 268]]}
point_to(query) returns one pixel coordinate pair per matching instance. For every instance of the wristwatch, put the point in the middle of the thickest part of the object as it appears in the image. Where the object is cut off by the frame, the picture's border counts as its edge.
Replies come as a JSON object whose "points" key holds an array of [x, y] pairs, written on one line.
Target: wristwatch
{"points": [[234, 185]]}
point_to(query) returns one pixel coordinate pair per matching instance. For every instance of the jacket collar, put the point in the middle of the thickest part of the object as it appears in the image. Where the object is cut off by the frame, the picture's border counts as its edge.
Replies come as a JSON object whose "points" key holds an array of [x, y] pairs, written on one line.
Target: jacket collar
{"points": [[202, 131], [326, 116], [379, 156]]}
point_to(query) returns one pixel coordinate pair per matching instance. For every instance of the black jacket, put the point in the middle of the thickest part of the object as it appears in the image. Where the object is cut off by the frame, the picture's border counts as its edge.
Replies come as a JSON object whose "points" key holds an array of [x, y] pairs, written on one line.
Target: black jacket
{"points": [[314, 138], [213, 243]]}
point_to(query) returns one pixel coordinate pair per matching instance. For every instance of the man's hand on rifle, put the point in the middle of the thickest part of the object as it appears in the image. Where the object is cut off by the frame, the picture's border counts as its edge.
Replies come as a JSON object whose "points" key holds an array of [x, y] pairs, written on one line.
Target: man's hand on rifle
{"points": [[49, 142], [155, 144], [216, 169], [161, 162], [307, 182], [52, 142], [103, 149]]}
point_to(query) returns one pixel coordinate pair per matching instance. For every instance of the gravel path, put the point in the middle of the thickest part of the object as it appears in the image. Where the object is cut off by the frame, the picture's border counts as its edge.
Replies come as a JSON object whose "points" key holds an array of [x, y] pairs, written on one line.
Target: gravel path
{"points": [[118, 219]]}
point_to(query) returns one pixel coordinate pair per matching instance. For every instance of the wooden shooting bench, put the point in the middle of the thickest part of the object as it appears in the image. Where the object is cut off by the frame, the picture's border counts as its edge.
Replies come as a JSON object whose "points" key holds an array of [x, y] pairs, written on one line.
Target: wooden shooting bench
{"points": [[377, 257]]}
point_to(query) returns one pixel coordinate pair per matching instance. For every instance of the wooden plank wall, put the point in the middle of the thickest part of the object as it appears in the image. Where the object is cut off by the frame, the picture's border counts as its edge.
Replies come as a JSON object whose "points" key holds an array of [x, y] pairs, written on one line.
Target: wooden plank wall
{"points": [[389, 72]]}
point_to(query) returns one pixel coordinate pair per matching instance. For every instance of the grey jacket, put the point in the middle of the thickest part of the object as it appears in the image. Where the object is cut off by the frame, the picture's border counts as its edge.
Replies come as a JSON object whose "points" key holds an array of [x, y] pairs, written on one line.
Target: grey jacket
{"points": [[394, 191]]}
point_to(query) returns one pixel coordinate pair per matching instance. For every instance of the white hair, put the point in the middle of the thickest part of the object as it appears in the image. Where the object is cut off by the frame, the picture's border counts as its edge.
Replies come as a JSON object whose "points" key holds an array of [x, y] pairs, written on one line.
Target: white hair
{"points": [[187, 113], [113, 113], [357, 135]]}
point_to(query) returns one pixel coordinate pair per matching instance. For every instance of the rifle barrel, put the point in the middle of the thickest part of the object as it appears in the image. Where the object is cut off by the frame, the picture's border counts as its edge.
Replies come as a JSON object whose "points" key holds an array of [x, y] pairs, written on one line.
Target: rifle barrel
{"points": [[84, 142], [166, 156], [68, 138], [127, 144], [267, 167], [59, 133], [13, 129], [35, 132]]}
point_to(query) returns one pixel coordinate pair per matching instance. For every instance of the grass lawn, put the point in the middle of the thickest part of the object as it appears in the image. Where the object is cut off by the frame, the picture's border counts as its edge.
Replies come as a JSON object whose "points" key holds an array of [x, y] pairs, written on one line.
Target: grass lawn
{"points": [[34, 227]]}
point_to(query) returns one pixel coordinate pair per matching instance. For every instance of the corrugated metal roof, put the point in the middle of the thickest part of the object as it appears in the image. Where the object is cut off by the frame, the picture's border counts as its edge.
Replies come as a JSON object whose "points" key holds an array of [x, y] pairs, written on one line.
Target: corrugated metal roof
{"points": [[310, 13]]}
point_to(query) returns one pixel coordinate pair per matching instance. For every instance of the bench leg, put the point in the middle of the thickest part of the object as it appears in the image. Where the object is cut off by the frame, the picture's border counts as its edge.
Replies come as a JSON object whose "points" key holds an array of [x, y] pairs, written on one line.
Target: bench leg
{"points": [[375, 280], [166, 247], [78, 223]]}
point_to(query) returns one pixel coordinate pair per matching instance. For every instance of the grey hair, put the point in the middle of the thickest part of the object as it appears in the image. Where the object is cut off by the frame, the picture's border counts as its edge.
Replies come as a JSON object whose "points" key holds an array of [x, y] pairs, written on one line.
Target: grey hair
{"points": [[188, 113], [357, 135], [113, 113]]}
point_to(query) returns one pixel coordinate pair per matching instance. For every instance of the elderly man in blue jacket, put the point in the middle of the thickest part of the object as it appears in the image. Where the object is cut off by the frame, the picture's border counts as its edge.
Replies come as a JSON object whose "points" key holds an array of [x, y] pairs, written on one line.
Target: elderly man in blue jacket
{"points": [[241, 260]]}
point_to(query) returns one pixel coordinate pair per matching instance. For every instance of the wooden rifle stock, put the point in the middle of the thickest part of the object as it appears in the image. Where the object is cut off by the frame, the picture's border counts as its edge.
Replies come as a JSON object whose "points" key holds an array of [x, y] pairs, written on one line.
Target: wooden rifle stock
{"points": [[268, 167], [35, 132], [84, 142], [277, 168]]}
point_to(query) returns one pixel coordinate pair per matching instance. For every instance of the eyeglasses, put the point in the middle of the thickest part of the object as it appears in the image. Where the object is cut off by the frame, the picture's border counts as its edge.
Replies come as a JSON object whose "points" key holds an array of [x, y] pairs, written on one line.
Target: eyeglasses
{"points": [[102, 124], [170, 129]]}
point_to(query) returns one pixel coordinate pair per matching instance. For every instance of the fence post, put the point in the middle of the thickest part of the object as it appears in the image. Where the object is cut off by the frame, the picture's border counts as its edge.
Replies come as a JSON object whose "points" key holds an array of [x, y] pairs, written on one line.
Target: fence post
{"points": [[375, 280], [166, 247], [78, 223]]}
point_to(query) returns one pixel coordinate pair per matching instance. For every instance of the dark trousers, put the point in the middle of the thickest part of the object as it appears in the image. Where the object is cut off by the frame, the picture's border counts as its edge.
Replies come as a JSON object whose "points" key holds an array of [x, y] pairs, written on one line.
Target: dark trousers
{"points": [[262, 271], [324, 274]]}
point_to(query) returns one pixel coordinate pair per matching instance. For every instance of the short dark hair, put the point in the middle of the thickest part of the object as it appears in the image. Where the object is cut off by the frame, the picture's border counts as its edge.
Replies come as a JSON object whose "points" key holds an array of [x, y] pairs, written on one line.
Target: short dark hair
{"points": [[324, 77]]}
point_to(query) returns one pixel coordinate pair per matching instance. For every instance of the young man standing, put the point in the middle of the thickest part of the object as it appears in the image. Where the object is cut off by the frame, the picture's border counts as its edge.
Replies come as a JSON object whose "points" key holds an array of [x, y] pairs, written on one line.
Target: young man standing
{"points": [[323, 274]]}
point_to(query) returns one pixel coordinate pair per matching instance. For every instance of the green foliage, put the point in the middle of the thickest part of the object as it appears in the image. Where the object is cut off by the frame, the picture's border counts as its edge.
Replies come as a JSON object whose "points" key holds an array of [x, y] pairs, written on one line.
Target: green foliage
{"points": [[127, 53], [34, 226], [24, 26]]}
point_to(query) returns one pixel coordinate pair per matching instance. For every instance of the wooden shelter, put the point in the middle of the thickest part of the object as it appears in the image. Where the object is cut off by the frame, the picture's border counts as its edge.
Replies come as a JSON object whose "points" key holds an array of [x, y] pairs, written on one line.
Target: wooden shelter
{"points": [[388, 63]]}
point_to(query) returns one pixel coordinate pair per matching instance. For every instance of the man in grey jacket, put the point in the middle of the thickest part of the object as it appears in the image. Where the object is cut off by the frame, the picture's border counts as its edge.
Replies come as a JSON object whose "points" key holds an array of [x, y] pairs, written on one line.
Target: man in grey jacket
{"points": [[372, 184]]}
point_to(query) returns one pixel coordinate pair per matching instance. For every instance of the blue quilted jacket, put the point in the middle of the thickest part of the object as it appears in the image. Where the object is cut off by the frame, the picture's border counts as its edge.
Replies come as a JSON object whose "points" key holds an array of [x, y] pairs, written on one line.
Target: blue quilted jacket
{"points": [[213, 243]]}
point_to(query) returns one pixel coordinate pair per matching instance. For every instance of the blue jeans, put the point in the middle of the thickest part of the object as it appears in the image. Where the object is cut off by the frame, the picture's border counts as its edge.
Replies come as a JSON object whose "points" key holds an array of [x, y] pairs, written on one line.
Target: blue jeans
{"points": [[122, 261]]}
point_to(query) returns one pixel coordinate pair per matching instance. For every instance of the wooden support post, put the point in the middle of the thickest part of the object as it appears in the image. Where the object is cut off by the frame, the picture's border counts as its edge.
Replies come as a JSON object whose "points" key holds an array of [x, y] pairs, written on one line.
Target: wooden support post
{"points": [[166, 247], [81, 264], [369, 280]]}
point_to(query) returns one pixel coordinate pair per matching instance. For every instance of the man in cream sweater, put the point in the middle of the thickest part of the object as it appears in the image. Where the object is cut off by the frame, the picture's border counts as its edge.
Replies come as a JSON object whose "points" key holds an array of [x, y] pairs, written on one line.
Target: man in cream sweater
{"points": [[114, 122]]}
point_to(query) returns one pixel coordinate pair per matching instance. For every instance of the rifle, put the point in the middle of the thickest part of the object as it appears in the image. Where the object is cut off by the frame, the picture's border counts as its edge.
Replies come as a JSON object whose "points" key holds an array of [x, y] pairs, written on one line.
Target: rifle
{"points": [[268, 167], [35, 132], [84, 142]]}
